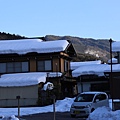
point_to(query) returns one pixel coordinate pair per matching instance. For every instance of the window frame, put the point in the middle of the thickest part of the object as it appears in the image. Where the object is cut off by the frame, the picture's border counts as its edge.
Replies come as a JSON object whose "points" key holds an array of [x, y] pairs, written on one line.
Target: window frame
{"points": [[44, 67], [65, 65], [12, 67]]}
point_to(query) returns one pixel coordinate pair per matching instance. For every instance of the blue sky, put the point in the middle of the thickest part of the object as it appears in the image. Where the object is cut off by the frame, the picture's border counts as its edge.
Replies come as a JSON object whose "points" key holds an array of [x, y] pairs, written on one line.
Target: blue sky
{"points": [[96, 19]]}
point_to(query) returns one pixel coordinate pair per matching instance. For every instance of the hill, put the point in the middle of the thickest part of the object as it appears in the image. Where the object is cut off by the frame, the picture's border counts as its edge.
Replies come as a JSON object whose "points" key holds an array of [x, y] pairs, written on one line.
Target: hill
{"points": [[7, 36], [87, 48]]}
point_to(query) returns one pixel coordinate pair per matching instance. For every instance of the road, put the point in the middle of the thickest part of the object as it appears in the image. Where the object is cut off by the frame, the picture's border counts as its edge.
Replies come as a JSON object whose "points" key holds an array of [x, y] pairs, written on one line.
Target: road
{"points": [[50, 116]]}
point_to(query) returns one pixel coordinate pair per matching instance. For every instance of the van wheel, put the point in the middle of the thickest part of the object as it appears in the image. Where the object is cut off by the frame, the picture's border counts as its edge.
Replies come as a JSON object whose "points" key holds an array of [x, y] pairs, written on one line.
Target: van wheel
{"points": [[92, 110], [73, 116]]}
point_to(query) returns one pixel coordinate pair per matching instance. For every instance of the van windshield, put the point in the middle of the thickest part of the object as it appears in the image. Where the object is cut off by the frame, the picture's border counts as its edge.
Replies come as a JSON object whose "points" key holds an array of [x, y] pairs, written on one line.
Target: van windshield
{"points": [[84, 98]]}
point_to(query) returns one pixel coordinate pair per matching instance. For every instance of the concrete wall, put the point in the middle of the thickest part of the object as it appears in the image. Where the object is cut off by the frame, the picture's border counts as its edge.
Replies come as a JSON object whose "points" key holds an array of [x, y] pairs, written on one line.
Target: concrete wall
{"points": [[28, 96]]}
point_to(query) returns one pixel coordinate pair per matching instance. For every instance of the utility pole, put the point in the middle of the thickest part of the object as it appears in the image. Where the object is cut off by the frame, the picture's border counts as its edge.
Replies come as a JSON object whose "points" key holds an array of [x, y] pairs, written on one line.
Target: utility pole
{"points": [[111, 70]]}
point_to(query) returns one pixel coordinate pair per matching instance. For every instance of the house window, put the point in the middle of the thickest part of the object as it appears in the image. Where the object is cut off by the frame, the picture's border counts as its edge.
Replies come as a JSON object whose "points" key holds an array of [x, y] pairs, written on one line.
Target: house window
{"points": [[24, 66], [10, 67], [2, 67], [44, 65], [13, 67], [18, 67], [66, 65]]}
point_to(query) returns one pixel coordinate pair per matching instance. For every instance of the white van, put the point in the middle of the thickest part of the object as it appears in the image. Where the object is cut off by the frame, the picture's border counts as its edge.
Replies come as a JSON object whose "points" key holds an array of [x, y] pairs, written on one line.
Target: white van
{"points": [[87, 102]]}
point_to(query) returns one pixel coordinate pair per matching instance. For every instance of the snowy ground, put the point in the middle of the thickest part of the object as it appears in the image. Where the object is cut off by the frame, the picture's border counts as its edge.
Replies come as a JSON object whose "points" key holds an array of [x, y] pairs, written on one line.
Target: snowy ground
{"points": [[102, 113]]}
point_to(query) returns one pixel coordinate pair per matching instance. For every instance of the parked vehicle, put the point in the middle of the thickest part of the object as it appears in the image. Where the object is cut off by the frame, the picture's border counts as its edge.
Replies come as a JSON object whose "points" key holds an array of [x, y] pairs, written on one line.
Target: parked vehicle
{"points": [[87, 102]]}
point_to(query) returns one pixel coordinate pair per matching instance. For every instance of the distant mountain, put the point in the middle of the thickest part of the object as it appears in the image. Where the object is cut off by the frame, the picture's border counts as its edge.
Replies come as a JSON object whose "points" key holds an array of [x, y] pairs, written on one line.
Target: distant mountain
{"points": [[7, 36], [87, 48]]}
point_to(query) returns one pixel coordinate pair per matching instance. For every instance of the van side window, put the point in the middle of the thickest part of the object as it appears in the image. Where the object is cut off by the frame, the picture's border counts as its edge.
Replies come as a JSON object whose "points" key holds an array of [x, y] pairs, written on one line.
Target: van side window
{"points": [[97, 97], [103, 97]]}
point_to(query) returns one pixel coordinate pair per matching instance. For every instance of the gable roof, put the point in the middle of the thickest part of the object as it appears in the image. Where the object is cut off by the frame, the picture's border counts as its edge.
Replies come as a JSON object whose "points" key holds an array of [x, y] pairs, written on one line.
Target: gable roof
{"points": [[25, 46]]}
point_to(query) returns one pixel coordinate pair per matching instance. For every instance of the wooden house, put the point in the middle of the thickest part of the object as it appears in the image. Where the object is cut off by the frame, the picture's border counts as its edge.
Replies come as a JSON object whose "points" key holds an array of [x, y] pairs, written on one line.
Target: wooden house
{"points": [[35, 55], [90, 76]]}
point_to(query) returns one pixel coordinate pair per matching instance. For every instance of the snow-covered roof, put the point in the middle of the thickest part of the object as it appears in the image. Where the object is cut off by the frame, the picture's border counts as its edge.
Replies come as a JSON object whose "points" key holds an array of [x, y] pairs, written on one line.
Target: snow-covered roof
{"points": [[24, 46], [116, 46], [97, 69], [22, 79], [25, 79], [115, 68], [75, 65], [114, 60]]}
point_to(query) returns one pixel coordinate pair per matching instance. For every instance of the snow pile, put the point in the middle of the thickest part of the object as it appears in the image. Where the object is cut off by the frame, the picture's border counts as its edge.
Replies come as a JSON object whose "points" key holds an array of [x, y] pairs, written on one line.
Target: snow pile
{"points": [[9, 118], [104, 113], [60, 106], [48, 86], [64, 105]]}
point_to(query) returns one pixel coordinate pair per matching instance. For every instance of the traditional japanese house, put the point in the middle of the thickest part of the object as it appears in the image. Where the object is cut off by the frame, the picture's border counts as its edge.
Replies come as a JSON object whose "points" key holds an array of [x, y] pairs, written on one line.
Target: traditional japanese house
{"points": [[35, 55]]}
